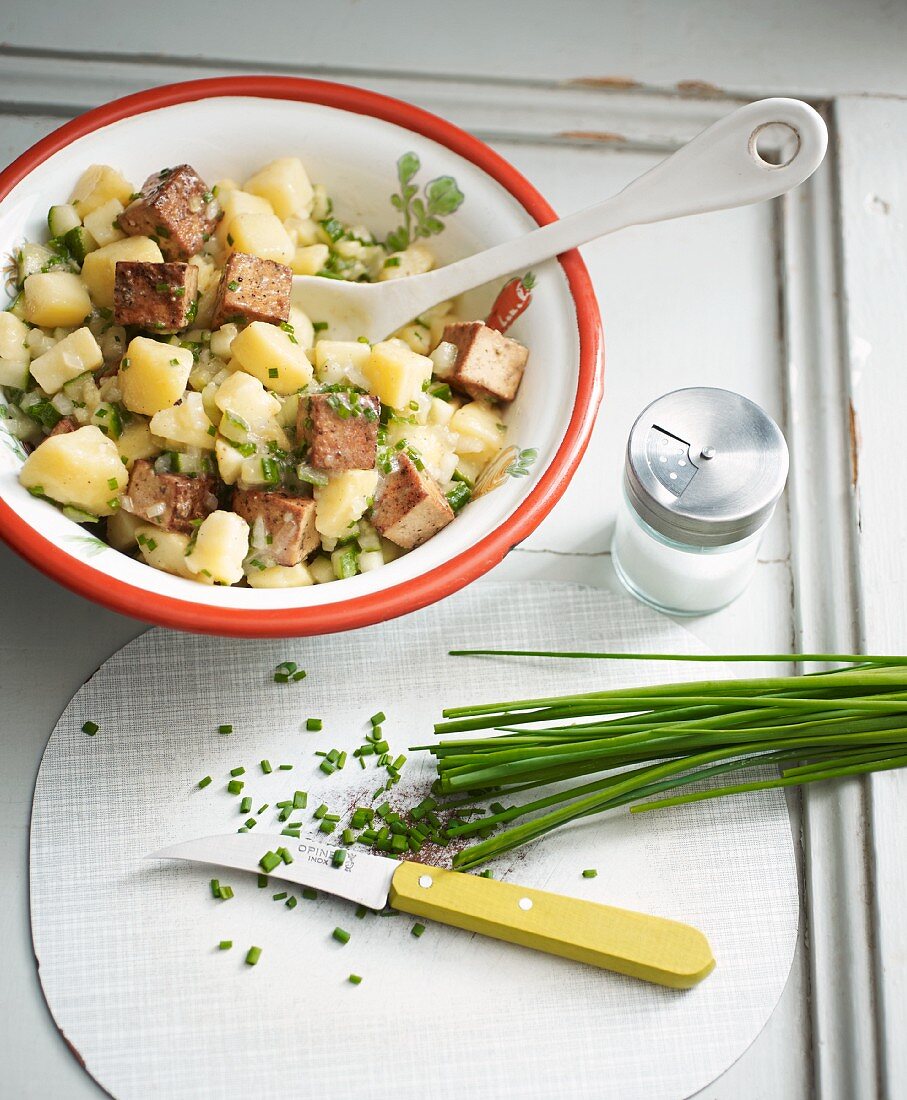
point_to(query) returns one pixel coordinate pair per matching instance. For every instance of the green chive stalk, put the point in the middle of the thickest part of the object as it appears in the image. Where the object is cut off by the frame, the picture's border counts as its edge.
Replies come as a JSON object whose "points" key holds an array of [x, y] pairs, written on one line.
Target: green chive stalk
{"points": [[644, 747]]}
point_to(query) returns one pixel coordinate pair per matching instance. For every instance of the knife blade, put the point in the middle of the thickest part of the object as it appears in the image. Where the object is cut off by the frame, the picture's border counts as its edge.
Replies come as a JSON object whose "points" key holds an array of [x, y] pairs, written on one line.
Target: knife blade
{"points": [[654, 949]]}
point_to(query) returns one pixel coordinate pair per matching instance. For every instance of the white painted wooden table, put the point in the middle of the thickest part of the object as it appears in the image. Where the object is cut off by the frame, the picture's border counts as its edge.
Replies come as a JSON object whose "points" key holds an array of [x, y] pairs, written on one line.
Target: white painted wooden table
{"points": [[799, 305]]}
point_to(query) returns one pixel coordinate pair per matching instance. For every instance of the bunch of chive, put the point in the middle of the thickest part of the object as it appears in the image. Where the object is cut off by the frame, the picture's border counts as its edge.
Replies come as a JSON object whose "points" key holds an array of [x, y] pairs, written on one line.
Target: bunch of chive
{"points": [[631, 744]]}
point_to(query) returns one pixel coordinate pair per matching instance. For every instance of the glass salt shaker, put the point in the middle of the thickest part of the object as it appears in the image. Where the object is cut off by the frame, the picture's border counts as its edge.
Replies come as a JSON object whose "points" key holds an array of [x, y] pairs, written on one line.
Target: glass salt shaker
{"points": [[704, 470]]}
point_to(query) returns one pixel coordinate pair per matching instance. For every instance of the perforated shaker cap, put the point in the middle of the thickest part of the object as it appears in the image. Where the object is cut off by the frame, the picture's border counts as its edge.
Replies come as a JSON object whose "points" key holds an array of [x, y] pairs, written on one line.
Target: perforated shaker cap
{"points": [[705, 467]]}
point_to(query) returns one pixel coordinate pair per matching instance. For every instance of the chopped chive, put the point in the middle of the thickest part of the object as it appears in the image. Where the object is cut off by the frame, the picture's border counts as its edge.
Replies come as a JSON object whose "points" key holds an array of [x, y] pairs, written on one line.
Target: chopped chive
{"points": [[250, 823], [290, 903], [341, 760], [281, 678], [285, 813], [300, 800], [486, 874], [339, 857], [327, 826], [300, 675], [340, 935], [235, 786], [202, 783], [284, 855], [313, 724], [269, 861], [377, 719], [225, 893], [225, 945], [291, 830], [321, 811], [283, 805], [266, 767], [348, 836], [354, 979], [309, 894], [261, 809], [285, 767], [361, 911], [215, 888], [225, 729], [332, 817], [287, 666], [246, 805], [590, 872], [238, 771], [262, 882], [91, 728], [362, 763], [280, 896], [327, 767], [417, 930], [253, 955]]}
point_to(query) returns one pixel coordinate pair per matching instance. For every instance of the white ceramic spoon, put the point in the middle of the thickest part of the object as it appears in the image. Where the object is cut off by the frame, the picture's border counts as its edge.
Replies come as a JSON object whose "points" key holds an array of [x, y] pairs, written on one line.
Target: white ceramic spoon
{"points": [[718, 169]]}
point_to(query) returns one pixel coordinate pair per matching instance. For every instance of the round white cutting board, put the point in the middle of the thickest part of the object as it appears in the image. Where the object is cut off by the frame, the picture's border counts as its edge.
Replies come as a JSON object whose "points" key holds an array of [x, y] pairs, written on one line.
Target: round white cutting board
{"points": [[127, 948]]}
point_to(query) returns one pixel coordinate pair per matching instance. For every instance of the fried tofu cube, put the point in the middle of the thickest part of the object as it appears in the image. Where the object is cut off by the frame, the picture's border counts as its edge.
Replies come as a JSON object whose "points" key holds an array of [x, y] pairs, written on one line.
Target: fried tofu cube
{"points": [[288, 521], [175, 209], [488, 364], [411, 507], [183, 498], [154, 296], [252, 289], [341, 430]]}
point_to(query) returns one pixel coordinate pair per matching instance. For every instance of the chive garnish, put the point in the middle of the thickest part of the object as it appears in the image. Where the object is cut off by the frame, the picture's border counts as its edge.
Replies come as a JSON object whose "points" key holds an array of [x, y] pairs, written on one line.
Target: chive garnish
{"points": [[309, 894], [417, 930], [290, 903], [285, 767], [341, 935], [253, 955], [204, 782], [91, 728], [246, 805], [377, 719], [215, 888], [338, 858], [590, 872], [269, 861], [266, 767], [235, 786], [313, 724], [238, 771], [225, 945], [284, 855], [300, 800], [279, 897], [262, 881], [361, 911], [354, 979], [225, 729]]}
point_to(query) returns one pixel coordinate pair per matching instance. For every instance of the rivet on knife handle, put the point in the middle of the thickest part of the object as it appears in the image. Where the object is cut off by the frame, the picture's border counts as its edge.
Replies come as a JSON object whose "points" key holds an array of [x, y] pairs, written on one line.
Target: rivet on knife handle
{"points": [[654, 949]]}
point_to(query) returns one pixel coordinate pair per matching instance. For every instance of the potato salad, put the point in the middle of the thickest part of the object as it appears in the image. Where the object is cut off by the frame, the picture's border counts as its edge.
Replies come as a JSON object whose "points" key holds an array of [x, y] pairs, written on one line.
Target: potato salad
{"points": [[172, 395]]}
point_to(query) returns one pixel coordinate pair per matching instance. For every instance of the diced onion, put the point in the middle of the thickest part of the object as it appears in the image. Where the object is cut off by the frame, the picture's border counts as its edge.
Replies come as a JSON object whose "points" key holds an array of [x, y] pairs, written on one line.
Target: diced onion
{"points": [[444, 357], [155, 510]]}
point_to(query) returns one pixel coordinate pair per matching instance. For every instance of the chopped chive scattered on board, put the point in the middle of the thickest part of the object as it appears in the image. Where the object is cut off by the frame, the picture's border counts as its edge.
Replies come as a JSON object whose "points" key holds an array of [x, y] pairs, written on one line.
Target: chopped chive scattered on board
{"points": [[280, 896], [417, 930], [314, 724], [590, 872], [269, 861], [237, 771], [339, 857], [253, 955], [226, 728], [225, 945], [235, 786], [341, 935], [262, 882], [266, 767], [290, 903], [91, 728], [202, 783], [354, 979], [309, 894]]}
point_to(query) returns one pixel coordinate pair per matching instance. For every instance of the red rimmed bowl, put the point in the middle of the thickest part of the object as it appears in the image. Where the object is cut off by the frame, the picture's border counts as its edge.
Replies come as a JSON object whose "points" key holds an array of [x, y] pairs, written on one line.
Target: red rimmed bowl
{"points": [[349, 139]]}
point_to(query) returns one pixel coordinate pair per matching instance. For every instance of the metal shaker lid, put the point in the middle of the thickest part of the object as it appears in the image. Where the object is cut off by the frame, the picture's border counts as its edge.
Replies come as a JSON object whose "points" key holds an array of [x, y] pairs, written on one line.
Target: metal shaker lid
{"points": [[705, 466]]}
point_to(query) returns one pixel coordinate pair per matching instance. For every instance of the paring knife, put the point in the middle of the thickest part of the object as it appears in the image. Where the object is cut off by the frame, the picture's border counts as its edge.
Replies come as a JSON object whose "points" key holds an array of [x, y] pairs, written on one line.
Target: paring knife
{"points": [[654, 949]]}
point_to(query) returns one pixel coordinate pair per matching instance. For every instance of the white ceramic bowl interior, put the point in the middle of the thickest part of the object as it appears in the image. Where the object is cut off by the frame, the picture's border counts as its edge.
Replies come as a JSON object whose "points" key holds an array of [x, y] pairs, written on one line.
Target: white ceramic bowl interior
{"points": [[355, 157]]}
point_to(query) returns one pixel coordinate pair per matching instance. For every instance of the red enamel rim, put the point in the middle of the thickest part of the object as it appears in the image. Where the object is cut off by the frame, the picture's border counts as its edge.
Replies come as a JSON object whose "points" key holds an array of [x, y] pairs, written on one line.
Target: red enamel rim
{"points": [[409, 595]]}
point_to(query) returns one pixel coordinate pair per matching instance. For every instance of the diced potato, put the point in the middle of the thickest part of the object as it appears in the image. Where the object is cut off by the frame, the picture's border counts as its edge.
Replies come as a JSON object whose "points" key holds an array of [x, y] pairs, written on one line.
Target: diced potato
{"points": [[220, 547], [122, 528], [309, 259], [135, 442], [80, 468], [440, 412], [279, 576], [185, 423], [260, 235], [101, 223], [285, 184], [229, 461], [67, 359], [97, 185], [165, 550], [99, 268], [153, 375], [269, 354], [233, 202], [222, 340], [470, 466], [416, 336], [14, 372], [321, 569], [434, 444], [341, 502], [479, 429], [245, 396], [301, 324], [57, 298], [416, 260], [207, 273], [396, 374], [303, 232], [369, 560], [13, 336], [339, 361]]}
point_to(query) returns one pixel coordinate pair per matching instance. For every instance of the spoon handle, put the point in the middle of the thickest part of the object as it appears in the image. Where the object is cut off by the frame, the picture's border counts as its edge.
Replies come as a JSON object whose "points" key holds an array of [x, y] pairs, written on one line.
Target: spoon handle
{"points": [[720, 168]]}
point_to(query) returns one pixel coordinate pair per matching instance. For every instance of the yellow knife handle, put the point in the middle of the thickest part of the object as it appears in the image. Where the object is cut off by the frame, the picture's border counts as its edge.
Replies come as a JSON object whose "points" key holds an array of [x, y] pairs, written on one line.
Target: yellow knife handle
{"points": [[651, 948]]}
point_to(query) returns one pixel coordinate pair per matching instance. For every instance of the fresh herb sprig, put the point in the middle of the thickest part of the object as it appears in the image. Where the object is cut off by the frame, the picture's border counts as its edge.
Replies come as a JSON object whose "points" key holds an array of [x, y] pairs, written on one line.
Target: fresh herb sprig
{"points": [[422, 214], [635, 746]]}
